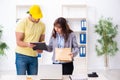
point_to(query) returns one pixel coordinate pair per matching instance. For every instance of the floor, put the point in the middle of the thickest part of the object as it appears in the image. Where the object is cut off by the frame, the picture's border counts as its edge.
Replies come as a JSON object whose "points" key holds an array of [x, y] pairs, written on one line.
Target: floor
{"points": [[109, 74]]}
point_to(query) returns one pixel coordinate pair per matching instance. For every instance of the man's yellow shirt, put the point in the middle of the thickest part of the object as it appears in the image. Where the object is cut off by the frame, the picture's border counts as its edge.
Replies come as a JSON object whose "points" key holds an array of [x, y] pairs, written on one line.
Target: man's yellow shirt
{"points": [[32, 32]]}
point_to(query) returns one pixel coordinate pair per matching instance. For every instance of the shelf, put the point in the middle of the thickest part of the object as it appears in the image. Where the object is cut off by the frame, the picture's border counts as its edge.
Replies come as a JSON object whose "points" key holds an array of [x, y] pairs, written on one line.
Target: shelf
{"points": [[76, 5], [74, 11], [78, 32], [78, 58], [21, 11], [23, 6], [72, 18], [81, 44], [76, 16], [75, 25]]}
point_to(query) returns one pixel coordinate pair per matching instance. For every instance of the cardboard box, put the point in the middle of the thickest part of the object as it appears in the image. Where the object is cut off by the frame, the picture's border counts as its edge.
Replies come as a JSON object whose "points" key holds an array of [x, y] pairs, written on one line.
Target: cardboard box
{"points": [[63, 54]]}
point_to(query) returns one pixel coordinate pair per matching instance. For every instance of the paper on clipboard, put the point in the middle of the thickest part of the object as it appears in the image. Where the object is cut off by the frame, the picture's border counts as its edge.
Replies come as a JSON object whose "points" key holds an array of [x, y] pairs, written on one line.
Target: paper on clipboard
{"points": [[39, 46], [62, 54]]}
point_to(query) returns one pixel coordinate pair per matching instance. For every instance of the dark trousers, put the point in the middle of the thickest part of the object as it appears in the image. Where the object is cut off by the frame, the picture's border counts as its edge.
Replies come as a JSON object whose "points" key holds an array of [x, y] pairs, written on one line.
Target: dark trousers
{"points": [[67, 68]]}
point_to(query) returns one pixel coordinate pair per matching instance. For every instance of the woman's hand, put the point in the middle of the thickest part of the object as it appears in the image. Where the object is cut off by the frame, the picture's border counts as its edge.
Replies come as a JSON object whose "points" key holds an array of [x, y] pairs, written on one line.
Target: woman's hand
{"points": [[71, 55]]}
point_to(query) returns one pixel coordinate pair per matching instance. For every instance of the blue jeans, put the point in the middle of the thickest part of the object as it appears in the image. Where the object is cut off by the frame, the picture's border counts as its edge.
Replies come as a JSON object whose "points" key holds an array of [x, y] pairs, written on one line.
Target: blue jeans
{"points": [[26, 64]]}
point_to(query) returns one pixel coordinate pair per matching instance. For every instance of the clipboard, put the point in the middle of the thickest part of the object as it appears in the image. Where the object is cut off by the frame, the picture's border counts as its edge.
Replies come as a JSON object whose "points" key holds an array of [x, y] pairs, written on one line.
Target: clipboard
{"points": [[39, 46]]}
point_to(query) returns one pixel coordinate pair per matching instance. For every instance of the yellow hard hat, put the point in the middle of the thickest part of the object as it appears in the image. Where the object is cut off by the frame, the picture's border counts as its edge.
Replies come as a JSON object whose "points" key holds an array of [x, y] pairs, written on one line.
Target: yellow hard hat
{"points": [[35, 11]]}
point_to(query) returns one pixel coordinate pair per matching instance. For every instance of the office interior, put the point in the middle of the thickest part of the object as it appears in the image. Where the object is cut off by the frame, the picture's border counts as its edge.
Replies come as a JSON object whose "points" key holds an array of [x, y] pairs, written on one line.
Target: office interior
{"points": [[52, 9]]}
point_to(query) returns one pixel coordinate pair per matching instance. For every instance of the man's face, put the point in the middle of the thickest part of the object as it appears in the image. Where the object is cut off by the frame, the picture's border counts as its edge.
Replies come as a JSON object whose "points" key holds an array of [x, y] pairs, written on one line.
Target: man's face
{"points": [[35, 20]]}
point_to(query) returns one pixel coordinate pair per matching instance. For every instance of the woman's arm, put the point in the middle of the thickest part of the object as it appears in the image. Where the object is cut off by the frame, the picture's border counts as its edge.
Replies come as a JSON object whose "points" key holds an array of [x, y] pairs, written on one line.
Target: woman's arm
{"points": [[75, 48], [50, 46]]}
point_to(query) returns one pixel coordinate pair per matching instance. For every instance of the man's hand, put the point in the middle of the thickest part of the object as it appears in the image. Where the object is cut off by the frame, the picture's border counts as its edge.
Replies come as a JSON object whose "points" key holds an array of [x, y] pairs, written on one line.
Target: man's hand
{"points": [[30, 45], [39, 51]]}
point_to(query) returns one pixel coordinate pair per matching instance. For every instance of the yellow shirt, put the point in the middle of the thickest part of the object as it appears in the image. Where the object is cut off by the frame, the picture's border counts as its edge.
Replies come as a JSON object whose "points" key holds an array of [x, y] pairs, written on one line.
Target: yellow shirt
{"points": [[32, 32]]}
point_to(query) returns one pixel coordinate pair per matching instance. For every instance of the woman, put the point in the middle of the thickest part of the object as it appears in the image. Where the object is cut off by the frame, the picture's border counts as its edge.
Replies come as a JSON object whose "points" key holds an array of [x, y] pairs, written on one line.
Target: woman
{"points": [[63, 37]]}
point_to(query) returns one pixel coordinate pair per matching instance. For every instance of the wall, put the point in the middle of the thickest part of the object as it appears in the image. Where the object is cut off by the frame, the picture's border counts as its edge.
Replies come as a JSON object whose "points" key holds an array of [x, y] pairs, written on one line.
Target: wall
{"points": [[7, 19], [96, 10], [51, 11]]}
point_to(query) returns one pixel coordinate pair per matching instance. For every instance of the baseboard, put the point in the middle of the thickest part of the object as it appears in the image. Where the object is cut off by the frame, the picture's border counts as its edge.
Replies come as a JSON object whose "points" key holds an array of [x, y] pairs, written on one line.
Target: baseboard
{"points": [[7, 72], [104, 68], [115, 67]]}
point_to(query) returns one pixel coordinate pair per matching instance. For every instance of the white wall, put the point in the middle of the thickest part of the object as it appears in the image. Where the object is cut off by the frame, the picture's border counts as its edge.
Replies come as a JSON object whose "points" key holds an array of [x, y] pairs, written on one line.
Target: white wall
{"points": [[7, 19], [52, 10], [98, 8]]}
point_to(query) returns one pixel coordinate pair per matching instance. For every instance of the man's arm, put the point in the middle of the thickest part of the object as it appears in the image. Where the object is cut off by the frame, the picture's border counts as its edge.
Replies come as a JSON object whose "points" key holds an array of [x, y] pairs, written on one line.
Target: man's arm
{"points": [[19, 39], [20, 42], [42, 38]]}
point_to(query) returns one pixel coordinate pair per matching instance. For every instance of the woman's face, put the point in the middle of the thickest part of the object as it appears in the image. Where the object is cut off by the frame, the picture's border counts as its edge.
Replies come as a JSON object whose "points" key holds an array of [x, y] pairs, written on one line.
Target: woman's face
{"points": [[58, 28]]}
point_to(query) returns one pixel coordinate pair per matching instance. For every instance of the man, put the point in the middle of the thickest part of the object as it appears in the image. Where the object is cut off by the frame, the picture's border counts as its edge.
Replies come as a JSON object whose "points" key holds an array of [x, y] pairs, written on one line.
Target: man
{"points": [[28, 30]]}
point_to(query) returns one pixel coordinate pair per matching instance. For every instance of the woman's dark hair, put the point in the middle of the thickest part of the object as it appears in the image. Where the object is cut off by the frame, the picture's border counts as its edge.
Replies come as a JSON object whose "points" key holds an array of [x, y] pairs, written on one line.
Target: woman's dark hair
{"points": [[65, 27]]}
